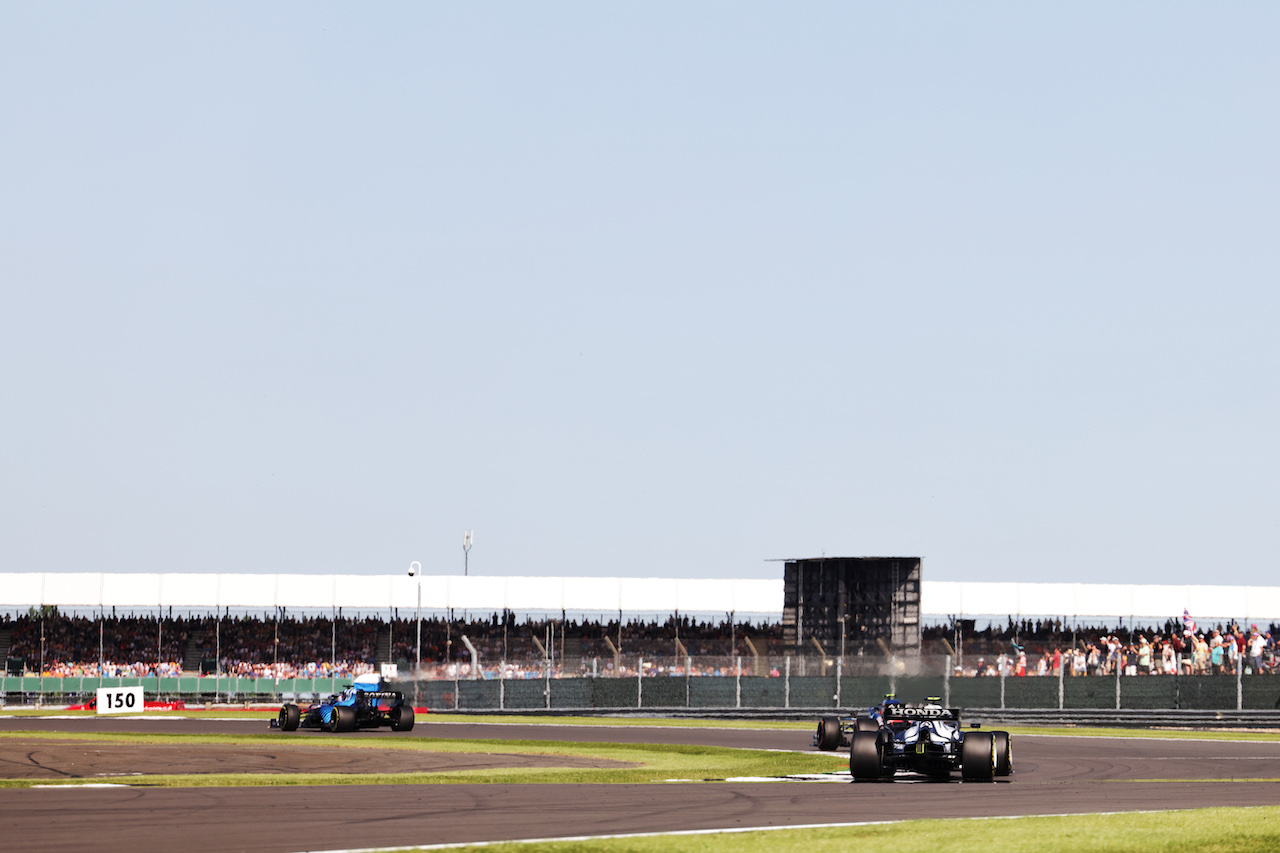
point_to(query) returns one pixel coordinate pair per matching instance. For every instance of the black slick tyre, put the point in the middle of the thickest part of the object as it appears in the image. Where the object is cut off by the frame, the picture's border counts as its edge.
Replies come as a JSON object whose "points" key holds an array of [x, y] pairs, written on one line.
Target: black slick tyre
{"points": [[331, 724], [978, 757], [290, 715], [866, 724], [402, 718], [346, 718], [864, 756], [1004, 753], [828, 734]]}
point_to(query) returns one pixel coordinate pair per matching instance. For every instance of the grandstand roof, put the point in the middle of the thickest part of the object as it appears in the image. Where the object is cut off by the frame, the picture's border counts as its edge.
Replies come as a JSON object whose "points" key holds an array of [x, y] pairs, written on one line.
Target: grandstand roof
{"points": [[939, 599]]}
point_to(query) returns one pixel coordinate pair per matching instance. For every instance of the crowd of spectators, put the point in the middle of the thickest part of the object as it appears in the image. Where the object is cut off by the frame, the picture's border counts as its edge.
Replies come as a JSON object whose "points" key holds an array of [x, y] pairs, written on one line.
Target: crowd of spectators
{"points": [[287, 646], [1031, 648]]}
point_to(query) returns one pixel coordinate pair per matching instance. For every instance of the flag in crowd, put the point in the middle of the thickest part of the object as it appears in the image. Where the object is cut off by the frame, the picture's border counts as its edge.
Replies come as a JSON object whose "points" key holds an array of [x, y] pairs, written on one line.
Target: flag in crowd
{"points": [[1188, 624]]}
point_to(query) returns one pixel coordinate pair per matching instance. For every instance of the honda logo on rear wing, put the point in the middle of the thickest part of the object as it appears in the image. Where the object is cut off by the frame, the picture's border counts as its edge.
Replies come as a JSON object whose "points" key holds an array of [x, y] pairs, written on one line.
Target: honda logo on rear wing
{"points": [[951, 714]]}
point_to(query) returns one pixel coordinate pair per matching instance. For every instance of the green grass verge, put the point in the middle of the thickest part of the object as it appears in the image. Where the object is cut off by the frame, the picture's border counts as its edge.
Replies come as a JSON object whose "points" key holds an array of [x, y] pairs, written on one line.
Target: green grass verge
{"points": [[664, 722], [806, 725], [1219, 830], [650, 763]]}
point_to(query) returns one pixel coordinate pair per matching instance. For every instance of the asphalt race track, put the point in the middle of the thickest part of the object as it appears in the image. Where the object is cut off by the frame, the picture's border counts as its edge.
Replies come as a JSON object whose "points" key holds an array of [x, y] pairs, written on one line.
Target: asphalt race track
{"points": [[1053, 775]]}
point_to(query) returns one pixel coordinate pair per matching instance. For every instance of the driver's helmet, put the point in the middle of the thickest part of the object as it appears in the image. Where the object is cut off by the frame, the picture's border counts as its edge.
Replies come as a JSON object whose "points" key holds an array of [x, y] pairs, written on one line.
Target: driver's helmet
{"points": [[886, 707]]}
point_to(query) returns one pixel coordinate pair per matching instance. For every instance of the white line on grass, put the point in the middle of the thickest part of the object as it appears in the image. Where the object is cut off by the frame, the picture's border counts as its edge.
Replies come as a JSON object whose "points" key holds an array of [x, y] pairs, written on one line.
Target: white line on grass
{"points": [[727, 831]]}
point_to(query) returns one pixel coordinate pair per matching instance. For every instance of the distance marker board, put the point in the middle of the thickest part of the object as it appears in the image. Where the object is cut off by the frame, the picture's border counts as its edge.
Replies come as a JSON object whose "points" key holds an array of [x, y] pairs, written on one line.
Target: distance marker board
{"points": [[120, 700]]}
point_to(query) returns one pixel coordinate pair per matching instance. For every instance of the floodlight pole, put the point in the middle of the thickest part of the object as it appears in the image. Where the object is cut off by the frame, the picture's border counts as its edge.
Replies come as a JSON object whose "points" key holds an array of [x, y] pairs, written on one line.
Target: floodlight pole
{"points": [[415, 570]]}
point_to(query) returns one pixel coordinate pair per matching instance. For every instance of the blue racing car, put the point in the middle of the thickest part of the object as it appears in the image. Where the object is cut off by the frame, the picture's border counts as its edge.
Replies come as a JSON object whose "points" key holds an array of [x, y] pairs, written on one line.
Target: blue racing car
{"points": [[357, 707]]}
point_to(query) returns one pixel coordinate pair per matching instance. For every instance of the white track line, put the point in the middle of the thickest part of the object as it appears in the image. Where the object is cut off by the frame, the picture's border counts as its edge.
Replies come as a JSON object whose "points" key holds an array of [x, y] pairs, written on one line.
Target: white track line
{"points": [[683, 832]]}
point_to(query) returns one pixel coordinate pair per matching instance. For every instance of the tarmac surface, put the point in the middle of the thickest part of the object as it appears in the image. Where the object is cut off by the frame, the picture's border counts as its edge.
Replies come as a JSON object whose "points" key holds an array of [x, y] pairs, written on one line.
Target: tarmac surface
{"points": [[1053, 775]]}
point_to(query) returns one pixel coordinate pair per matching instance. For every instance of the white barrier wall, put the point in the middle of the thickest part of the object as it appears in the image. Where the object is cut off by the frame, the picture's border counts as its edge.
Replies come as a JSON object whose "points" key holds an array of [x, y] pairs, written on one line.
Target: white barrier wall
{"points": [[371, 592], [604, 595], [1085, 600]]}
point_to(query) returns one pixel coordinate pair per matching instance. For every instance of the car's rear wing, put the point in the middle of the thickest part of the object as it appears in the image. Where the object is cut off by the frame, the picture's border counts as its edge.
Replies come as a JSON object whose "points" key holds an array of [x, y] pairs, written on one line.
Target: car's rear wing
{"points": [[384, 694], [917, 715]]}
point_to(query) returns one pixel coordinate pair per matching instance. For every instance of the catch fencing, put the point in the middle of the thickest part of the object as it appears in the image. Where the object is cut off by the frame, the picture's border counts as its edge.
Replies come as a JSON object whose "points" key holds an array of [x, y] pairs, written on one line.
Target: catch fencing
{"points": [[782, 684]]}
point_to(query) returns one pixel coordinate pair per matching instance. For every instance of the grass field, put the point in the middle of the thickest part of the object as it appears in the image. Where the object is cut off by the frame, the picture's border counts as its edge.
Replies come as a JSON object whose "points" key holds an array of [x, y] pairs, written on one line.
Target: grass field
{"points": [[1229, 830], [791, 725], [650, 763], [1217, 830]]}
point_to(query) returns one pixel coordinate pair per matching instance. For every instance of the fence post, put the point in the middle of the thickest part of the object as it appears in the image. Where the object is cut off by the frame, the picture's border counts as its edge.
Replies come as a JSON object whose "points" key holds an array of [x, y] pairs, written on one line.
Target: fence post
{"points": [[502, 687], [1000, 661], [946, 684], [839, 669], [786, 685], [738, 684], [1239, 682], [688, 672], [1118, 667], [1061, 670], [639, 682]]}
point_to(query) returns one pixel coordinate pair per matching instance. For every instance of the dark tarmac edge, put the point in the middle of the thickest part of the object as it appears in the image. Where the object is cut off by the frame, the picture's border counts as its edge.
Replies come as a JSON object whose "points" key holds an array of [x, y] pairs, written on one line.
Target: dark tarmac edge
{"points": [[281, 820]]}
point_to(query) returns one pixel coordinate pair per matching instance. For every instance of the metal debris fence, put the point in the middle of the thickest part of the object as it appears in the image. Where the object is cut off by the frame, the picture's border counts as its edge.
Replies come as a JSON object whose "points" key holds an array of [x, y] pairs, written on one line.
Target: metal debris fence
{"points": [[781, 684]]}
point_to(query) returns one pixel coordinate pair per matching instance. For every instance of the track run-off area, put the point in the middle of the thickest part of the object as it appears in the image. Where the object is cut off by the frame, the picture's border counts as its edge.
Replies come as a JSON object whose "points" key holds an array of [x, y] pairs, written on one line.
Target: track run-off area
{"points": [[79, 803]]}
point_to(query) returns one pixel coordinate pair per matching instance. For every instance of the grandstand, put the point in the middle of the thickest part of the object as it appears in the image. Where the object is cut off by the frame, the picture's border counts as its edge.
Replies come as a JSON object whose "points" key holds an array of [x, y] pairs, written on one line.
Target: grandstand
{"points": [[121, 624]]}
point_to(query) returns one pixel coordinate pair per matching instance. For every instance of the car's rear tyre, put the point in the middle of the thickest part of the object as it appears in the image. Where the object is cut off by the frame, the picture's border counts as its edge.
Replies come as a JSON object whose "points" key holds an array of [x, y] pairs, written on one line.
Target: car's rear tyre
{"points": [[346, 718], [290, 716], [866, 724], [1004, 753], [402, 719], [978, 757], [865, 757], [828, 734]]}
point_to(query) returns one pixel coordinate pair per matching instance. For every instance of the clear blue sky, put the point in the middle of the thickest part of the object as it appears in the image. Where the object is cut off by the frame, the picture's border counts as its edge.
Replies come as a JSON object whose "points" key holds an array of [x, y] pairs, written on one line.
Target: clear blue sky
{"points": [[660, 289]]}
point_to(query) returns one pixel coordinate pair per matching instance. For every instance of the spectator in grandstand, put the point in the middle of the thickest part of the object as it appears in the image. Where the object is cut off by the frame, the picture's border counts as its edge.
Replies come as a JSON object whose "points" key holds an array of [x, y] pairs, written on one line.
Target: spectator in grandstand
{"points": [[1256, 644], [1216, 654], [1144, 656]]}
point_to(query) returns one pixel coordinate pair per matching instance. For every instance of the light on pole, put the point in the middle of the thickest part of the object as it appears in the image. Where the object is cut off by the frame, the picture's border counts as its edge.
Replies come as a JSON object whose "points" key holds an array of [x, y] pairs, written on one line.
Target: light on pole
{"points": [[467, 539], [415, 570]]}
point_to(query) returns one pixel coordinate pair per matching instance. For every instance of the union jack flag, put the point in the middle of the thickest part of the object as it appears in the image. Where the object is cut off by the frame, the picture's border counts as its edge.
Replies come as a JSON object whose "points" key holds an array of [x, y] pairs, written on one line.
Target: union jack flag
{"points": [[1188, 624]]}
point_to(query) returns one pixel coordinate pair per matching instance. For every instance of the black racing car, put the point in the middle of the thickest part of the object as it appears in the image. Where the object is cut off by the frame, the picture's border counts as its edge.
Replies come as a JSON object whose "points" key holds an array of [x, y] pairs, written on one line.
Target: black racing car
{"points": [[354, 708], [928, 740]]}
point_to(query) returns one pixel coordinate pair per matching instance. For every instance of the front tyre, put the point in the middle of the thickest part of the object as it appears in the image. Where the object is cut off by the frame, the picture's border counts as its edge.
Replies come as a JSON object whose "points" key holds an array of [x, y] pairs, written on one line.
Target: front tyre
{"points": [[828, 734], [978, 757], [865, 762], [1004, 753], [402, 718], [290, 716]]}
